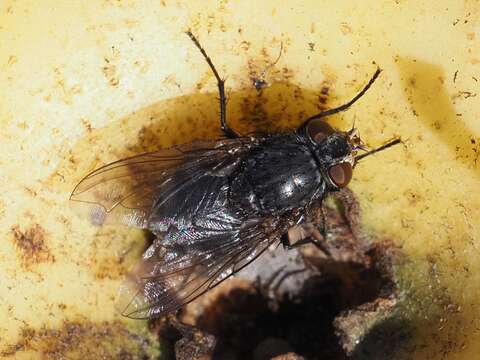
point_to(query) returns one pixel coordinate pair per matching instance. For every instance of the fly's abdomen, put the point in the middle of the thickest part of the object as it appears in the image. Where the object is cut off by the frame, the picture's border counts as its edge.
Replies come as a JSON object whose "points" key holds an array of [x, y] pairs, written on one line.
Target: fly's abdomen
{"points": [[277, 176]]}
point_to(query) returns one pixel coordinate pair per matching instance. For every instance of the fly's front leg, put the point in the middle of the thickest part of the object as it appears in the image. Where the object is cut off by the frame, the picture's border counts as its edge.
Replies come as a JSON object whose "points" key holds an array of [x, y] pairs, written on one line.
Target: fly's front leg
{"points": [[351, 213], [229, 132], [306, 233]]}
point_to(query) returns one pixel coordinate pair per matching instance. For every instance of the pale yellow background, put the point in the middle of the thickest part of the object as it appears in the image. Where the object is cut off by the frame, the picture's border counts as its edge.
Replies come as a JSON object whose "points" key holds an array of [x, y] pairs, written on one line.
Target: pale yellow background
{"points": [[85, 82]]}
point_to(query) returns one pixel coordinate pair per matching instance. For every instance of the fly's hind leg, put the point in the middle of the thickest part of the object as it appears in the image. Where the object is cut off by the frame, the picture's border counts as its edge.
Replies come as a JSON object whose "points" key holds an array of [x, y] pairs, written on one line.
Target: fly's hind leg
{"points": [[228, 131]]}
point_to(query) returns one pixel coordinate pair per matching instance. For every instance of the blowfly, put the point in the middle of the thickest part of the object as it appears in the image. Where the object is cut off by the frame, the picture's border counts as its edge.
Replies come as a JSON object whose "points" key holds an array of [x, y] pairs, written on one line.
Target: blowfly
{"points": [[215, 206]]}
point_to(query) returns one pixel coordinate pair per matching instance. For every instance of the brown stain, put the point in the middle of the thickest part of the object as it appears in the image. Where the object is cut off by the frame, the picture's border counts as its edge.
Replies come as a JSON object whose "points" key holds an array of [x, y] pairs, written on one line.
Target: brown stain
{"points": [[434, 107], [85, 340], [110, 68], [110, 73], [345, 28], [109, 267], [31, 246]]}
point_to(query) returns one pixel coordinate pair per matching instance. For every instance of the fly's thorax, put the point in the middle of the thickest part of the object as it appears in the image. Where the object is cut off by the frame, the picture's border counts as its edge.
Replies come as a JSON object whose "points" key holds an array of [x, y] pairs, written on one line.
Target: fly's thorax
{"points": [[278, 175]]}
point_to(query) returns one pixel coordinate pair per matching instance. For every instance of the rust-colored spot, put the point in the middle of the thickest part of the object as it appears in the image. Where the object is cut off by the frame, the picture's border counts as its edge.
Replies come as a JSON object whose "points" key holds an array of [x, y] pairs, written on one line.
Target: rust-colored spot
{"points": [[87, 125], [323, 97], [12, 60], [245, 45], [110, 72], [31, 246], [345, 28]]}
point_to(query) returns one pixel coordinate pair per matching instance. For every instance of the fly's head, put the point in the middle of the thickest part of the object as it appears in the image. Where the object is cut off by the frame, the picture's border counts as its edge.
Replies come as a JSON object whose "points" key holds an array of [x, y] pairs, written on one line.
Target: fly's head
{"points": [[336, 151]]}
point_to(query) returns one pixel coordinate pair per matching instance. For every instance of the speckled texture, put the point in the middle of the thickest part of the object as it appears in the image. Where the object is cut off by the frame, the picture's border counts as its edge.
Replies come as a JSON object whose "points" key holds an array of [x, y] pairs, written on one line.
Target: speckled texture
{"points": [[83, 83]]}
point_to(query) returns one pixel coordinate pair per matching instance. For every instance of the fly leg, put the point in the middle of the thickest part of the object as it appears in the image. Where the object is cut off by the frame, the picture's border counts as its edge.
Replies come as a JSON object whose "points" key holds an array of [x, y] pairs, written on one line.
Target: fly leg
{"points": [[344, 106], [228, 131], [350, 211], [306, 233]]}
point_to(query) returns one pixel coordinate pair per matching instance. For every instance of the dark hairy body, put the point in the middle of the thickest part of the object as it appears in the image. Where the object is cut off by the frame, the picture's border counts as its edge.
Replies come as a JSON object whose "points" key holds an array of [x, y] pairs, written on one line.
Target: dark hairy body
{"points": [[276, 176], [215, 206]]}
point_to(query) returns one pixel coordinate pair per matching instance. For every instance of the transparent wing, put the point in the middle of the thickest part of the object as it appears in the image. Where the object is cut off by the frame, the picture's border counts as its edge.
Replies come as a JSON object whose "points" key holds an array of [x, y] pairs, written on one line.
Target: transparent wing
{"points": [[124, 191], [171, 276]]}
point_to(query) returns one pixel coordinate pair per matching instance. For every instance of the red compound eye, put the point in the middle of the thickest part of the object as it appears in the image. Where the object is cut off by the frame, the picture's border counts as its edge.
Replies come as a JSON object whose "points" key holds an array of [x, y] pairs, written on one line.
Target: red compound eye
{"points": [[341, 174]]}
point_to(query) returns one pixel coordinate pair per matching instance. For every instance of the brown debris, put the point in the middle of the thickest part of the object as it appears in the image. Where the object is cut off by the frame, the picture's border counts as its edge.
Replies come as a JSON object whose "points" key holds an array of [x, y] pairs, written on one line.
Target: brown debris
{"points": [[194, 344], [181, 341], [81, 340], [110, 72], [31, 245]]}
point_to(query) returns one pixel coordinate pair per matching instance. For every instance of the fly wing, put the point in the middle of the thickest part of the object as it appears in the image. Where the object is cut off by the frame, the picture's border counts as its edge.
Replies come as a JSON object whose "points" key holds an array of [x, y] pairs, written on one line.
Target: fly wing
{"points": [[125, 191], [199, 258]]}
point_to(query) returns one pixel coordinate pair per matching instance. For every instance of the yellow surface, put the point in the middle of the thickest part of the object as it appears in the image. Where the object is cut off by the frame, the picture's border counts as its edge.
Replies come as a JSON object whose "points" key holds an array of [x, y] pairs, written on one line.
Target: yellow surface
{"points": [[86, 82]]}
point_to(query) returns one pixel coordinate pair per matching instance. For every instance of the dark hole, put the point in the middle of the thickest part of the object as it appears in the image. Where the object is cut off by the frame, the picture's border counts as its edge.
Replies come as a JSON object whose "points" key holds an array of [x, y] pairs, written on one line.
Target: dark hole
{"points": [[244, 321]]}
